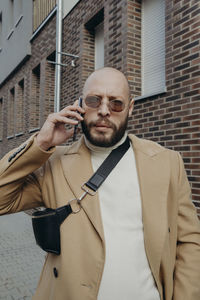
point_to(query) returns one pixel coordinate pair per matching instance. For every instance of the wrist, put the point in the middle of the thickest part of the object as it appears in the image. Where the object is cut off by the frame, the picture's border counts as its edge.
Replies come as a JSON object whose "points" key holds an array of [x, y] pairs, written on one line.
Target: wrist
{"points": [[42, 144]]}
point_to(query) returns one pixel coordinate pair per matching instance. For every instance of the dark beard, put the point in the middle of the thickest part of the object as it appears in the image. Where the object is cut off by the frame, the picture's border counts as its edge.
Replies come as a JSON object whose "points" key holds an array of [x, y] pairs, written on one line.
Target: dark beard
{"points": [[102, 141]]}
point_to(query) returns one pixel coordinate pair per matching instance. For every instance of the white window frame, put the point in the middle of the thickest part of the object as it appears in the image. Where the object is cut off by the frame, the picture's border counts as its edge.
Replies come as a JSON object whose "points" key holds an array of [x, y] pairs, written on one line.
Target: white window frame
{"points": [[153, 48]]}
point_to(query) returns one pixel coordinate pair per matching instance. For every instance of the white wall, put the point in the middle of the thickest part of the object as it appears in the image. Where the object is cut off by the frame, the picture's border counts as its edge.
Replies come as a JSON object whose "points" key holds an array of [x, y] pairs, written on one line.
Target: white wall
{"points": [[68, 5], [17, 47]]}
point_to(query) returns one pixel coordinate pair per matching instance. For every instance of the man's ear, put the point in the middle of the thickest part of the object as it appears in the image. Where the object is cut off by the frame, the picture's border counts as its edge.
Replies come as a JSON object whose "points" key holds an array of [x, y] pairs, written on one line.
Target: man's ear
{"points": [[131, 106]]}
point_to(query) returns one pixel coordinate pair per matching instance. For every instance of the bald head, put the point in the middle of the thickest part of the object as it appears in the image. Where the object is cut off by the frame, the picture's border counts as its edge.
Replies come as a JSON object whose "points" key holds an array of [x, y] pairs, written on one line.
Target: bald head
{"points": [[109, 77]]}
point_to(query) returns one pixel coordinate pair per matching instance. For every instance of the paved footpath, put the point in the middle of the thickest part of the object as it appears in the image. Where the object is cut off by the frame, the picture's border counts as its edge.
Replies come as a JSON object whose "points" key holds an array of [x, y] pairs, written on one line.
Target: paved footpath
{"points": [[21, 260]]}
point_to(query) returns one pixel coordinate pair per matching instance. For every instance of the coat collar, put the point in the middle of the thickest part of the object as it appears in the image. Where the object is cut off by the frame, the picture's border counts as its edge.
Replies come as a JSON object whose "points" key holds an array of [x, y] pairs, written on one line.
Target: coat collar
{"points": [[138, 144], [153, 173]]}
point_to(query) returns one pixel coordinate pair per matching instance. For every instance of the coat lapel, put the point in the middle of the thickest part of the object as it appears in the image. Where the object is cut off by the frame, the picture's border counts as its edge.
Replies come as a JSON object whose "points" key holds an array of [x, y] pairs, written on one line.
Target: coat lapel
{"points": [[77, 167], [153, 173]]}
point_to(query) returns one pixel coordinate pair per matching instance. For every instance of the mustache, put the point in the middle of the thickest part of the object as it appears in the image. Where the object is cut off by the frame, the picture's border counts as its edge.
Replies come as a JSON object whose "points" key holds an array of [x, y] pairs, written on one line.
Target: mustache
{"points": [[103, 121]]}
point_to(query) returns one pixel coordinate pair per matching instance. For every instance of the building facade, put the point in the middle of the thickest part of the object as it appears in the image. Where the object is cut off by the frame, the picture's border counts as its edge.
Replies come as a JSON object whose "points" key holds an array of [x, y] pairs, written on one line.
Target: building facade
{"points": [[156, 43]]}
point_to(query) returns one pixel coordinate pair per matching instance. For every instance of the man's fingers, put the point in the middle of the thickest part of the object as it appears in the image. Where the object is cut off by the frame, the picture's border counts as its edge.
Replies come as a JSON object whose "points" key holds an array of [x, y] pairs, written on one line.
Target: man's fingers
{"points": [[70, 133], [75, 103], [52, 132], [67, 114], [72, 114], [73, 108], [56, 118]]}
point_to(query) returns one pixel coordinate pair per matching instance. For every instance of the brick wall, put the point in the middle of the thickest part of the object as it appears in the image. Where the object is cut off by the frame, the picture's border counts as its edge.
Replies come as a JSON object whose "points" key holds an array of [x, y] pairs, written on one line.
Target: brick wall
{"points": [[173, 119], [34, 104], [78, 39], [19, 107], [48, 104], [122, 39], [11, 116]]}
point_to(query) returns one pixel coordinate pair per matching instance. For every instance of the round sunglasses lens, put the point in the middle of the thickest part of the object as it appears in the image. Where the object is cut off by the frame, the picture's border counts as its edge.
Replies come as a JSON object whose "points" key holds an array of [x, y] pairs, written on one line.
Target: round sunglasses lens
{"points": [[92, 101], [116, 105]]}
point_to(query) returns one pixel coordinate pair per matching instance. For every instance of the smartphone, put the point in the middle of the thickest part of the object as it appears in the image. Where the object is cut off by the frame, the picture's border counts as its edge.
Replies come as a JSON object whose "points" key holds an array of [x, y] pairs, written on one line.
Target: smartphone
{"points": [[76, 126]]}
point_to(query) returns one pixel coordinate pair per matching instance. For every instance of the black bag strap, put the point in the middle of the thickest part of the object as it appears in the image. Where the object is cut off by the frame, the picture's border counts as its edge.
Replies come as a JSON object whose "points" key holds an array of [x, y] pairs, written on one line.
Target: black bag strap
{"points": [[99, 176], [107, 166]]}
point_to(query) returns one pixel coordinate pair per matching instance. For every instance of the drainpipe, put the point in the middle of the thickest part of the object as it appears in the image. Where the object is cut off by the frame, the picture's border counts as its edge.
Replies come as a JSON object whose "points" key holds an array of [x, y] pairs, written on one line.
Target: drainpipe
{"points": [[58, 56]]}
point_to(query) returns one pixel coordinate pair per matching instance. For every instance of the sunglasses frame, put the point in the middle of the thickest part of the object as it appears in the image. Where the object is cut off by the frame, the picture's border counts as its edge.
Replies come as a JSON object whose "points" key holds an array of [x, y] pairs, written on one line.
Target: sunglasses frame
{"points": [[109, 105]]}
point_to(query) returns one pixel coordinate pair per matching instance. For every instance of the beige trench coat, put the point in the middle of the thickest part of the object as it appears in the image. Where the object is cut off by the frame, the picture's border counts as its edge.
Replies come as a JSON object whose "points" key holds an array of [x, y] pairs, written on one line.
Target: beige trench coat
{"points": [[171, 227]]}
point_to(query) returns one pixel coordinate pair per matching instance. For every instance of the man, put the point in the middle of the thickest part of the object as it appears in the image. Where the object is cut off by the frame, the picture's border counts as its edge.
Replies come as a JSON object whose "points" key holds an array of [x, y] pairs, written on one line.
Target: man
{"points": [[139, 236]]}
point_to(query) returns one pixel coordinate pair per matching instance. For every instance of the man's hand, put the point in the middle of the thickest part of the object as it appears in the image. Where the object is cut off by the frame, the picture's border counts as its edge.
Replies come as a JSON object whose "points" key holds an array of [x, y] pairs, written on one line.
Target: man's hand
{"points": [[54, 132]]}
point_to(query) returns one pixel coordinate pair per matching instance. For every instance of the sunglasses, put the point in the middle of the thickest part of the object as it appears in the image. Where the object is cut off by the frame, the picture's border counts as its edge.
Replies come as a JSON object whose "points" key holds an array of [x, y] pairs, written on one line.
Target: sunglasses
{"points": [[95, 101]]}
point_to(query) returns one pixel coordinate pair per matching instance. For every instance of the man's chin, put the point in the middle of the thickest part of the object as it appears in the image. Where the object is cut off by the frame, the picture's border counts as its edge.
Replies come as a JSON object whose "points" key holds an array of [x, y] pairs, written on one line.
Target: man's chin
{"points": [[101, 140], [101, 134]]}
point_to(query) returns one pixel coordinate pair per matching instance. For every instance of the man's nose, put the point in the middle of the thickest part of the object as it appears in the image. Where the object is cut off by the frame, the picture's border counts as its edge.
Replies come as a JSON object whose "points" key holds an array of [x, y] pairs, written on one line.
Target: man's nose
{"points": [[103, 109]]}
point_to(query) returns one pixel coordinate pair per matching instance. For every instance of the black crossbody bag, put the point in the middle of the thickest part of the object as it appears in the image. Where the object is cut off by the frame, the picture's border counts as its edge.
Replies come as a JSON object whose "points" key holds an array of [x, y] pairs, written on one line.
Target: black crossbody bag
{"points": [[46, 223]]}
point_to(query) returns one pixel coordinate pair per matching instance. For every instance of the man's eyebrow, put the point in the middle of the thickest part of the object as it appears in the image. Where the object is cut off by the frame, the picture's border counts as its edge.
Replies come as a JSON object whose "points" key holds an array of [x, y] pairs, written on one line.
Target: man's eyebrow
{"points": [[113, 97], [93, 94]]}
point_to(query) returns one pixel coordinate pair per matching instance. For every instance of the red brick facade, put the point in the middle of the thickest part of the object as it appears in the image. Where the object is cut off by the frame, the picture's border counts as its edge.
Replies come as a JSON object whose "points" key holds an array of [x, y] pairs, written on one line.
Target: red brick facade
{"points": [[171, 118]]}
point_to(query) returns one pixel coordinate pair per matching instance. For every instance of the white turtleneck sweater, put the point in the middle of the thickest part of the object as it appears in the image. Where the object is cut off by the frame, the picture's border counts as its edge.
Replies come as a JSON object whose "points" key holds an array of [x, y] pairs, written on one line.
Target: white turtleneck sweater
{"points": [[127, 275]]}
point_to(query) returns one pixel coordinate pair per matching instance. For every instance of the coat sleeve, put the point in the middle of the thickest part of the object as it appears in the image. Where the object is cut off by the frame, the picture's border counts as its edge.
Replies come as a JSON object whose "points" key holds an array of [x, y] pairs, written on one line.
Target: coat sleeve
{"points": [[187, 268], [20, 179]]}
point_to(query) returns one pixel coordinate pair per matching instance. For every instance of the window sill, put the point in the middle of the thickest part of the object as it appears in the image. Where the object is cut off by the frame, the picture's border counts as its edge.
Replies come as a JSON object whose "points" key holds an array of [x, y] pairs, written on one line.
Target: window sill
{"points": [[19, 134], [163, 91], [34, 130], [10, 137]]}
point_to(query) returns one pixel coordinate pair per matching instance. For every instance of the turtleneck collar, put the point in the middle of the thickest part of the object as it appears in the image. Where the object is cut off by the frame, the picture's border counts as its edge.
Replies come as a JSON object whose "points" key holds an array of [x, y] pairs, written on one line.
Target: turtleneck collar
{"points": [[98, 149]]}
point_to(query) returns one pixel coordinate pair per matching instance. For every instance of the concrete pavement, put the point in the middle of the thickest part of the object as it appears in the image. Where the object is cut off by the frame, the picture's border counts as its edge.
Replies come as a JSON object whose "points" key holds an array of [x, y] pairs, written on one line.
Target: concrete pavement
{"points": [[21, 260]]}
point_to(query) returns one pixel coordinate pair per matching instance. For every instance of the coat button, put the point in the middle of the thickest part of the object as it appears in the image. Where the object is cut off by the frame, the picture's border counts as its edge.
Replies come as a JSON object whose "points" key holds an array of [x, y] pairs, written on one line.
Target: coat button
{"points": [[55, 272]]}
